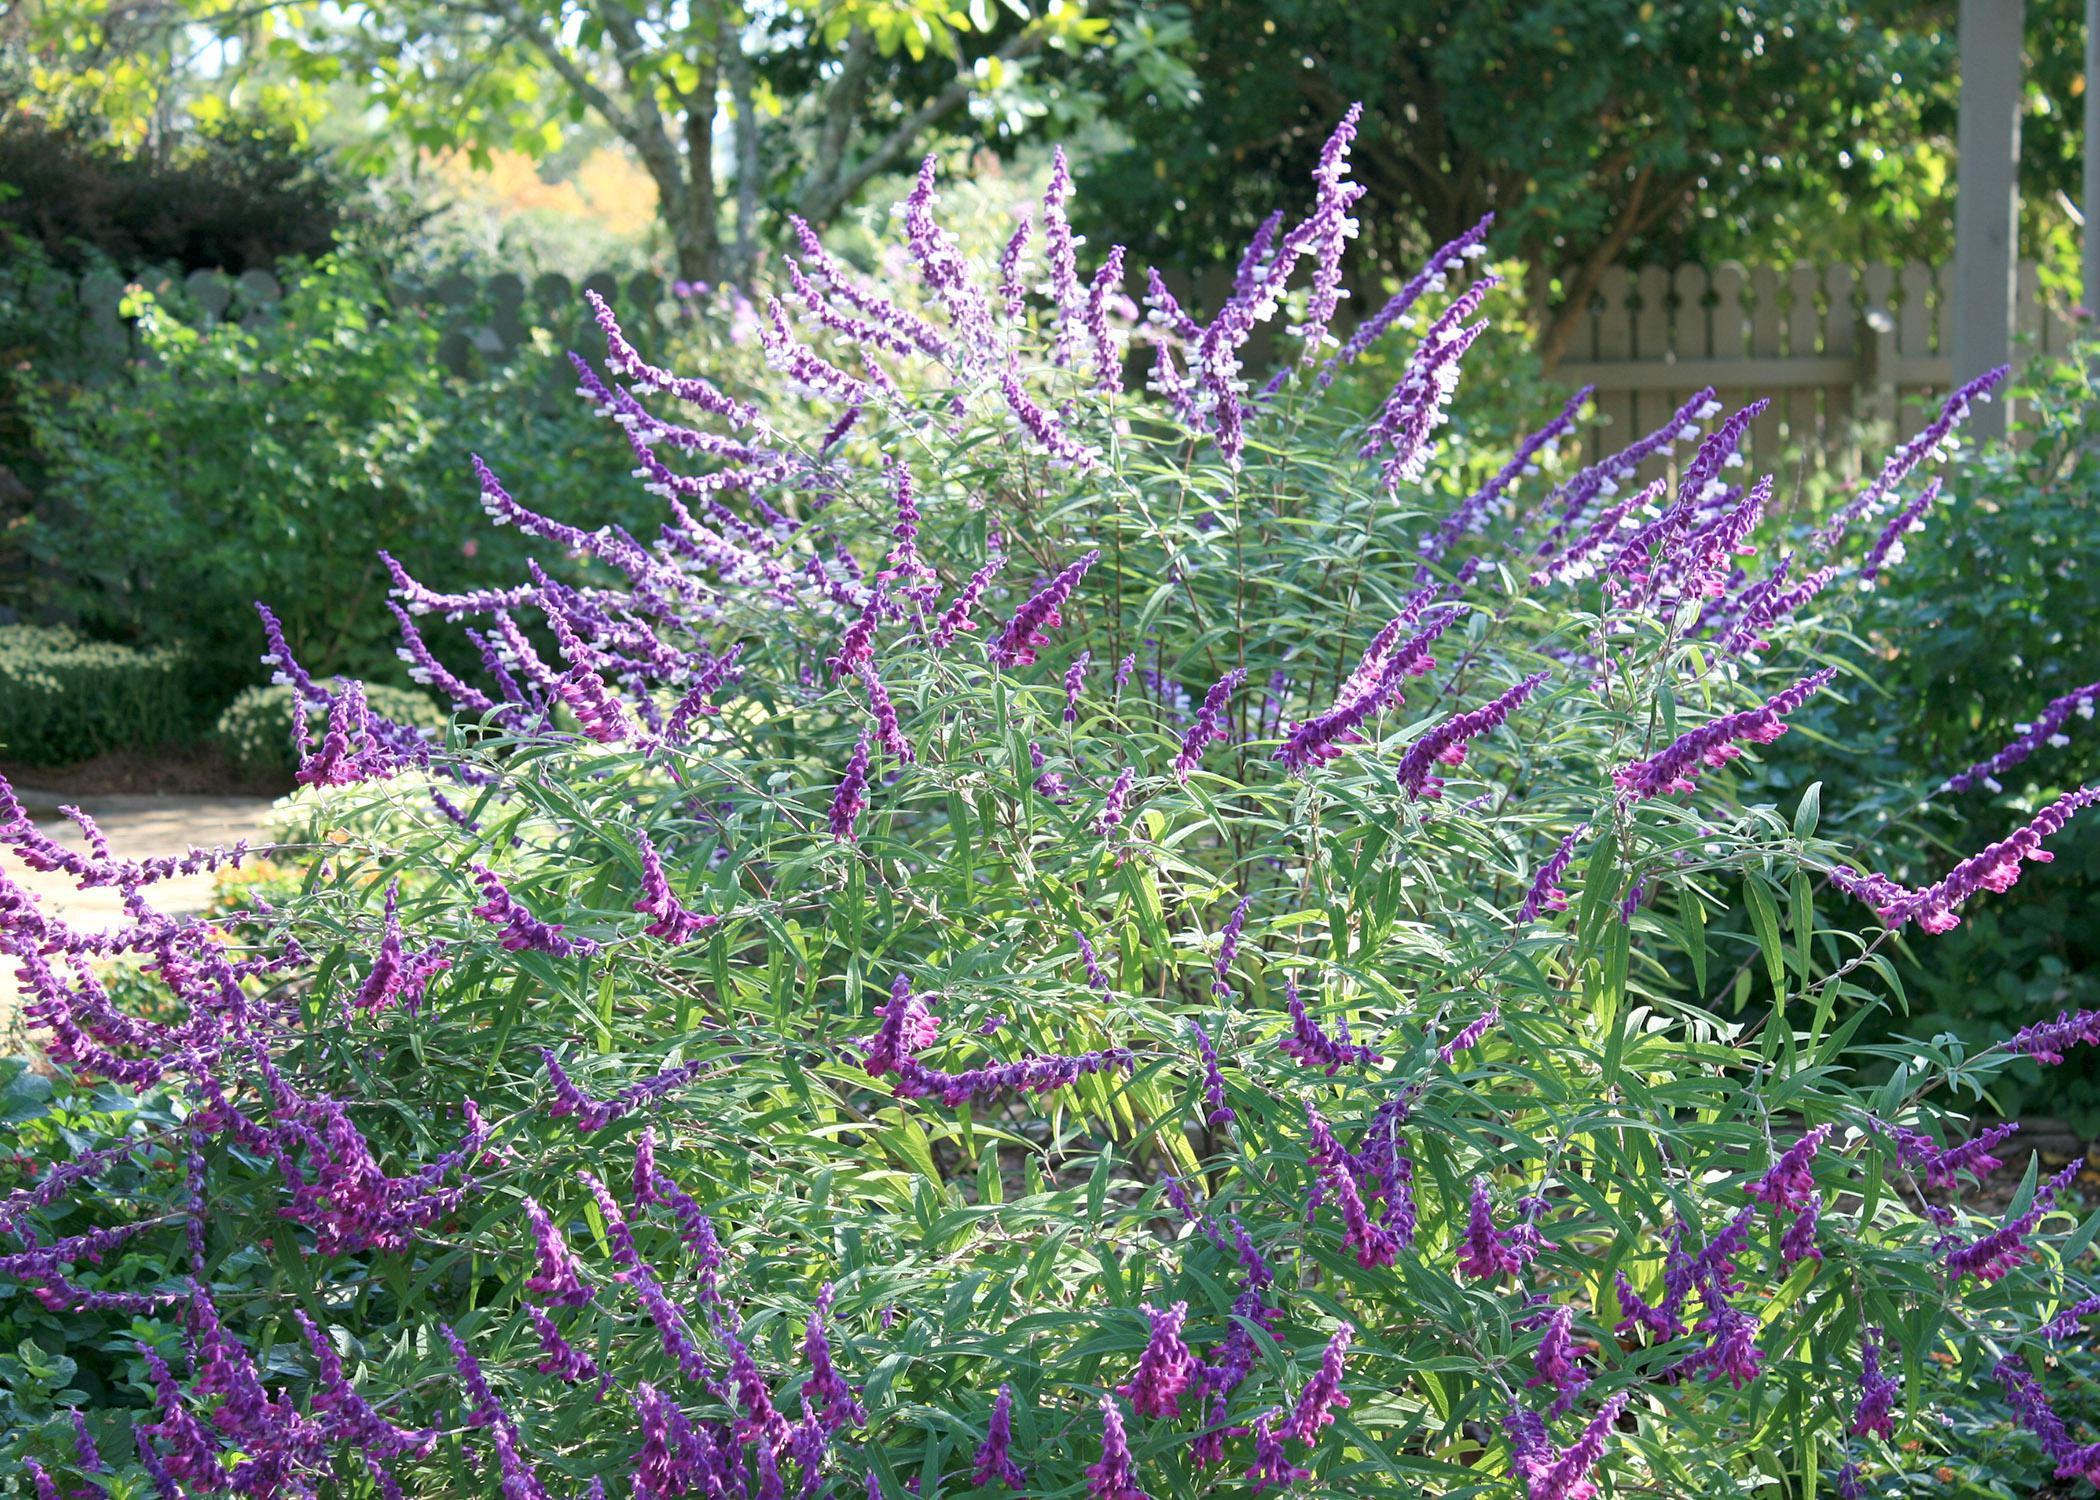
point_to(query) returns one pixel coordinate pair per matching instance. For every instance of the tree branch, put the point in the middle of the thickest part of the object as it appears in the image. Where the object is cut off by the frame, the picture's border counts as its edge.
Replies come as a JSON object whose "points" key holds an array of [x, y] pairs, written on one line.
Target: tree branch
{"points": [[820, 208]]}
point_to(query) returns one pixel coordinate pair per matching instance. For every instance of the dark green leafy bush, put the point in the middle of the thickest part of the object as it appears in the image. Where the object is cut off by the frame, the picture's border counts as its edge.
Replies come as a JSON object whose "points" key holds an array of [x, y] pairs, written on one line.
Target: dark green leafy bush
{"points": [[1994, 613], [242, 195], [270, 460], [64, 698], [1303, 991]]}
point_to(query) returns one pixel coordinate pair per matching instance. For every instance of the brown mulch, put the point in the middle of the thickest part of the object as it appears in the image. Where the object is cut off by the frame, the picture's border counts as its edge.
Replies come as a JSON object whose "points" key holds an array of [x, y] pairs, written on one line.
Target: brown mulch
{"points": [[198, 770]]}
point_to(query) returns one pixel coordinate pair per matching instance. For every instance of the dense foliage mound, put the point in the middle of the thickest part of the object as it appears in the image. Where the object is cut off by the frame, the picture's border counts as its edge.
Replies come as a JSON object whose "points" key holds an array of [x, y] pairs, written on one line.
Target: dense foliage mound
{"points": [[1037, 937]]}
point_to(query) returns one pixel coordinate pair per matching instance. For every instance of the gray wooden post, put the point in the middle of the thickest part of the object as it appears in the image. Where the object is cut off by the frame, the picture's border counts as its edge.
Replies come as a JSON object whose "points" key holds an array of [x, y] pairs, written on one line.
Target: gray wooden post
{"points": [[1987, 196], [2092, 162]]}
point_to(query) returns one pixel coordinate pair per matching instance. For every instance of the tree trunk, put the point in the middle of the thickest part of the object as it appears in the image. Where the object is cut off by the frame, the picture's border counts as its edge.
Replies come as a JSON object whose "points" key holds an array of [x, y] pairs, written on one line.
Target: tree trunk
{"points": [[743, 265], [696, 231]]}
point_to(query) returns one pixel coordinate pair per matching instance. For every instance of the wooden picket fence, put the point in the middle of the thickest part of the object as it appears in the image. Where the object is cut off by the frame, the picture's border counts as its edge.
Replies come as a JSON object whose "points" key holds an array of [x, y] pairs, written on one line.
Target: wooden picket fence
{"points": [[485, 322], [1849, 357]]}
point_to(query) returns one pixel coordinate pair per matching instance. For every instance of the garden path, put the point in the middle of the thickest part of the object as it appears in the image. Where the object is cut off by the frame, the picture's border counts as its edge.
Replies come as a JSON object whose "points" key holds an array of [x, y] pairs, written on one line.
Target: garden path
{"points": [[138, 826]]}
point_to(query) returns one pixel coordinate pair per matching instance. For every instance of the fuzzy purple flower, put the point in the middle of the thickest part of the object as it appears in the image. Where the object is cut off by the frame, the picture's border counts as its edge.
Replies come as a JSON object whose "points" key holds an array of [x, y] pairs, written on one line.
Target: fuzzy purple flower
{"points": [[1118, 802], [1024, 634], [1113, 1476], [1220, 1113], [1229, 948], [1166, 1369], [2046, 729], [559, 1357], [1075, 684], [995, 1456], [1490, 1253], [1556, 1364], [1322, 1395], [1877, 1391], [674, 924], [826, 1390], [851, 798], [556, 1280], [1272, 1467], [1209, 727], [1676, 768], [1929, 443], [1996, 868], [1545, 893], [522, 930], [1314, 1047], [907, 1026], [1445, 744]]}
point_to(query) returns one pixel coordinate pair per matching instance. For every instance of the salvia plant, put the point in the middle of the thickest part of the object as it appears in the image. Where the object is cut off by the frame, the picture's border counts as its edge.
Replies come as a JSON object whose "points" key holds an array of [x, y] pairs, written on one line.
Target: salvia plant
{"points": [[1063, 933]]}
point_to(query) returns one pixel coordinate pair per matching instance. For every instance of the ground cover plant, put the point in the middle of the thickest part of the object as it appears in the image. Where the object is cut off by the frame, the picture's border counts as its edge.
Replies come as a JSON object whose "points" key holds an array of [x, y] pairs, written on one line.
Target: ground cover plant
{"points": [[1054, 938]]}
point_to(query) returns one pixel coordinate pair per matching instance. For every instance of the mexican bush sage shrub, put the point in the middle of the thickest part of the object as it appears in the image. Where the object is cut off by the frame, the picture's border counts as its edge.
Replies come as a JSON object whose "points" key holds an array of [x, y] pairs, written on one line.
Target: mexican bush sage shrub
{"points": [[808, 1029]]}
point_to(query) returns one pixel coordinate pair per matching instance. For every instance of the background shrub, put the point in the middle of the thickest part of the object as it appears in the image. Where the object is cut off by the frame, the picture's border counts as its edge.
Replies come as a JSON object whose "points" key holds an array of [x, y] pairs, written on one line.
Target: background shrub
{"points": [[64, 698], [269, 460], [241, 195]]}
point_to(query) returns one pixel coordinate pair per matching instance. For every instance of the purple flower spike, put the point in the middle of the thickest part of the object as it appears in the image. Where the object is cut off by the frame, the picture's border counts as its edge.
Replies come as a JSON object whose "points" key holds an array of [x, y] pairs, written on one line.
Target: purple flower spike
{"points": [[557, 1280], [851, 798], [995, 1457], [907, 1026], [1209, 727], [2045, 1041], [1877, 1391], [522, 930], [1468, 1037], [1676, 768], [1491, 1253], [1545, 893], [1993, 1255], [1272, 1467], [1929, 443], [1468, 246], [1075, 684], [1118, 802], [1561, 1474], [559, 1357], [1033, 1075], [826, 1390], [1229, 948], [1165, 1369], [1322, 1395], [398, 977], [1314, 1047], [2032, 1408], [1994, 869], [1024, 634], [1114, 1476], [1415, 409], [1221, 1113], [1096, 980], [1555, 1364], [2047, 729], [674, 924], [1887, 550], [1446, 743]]}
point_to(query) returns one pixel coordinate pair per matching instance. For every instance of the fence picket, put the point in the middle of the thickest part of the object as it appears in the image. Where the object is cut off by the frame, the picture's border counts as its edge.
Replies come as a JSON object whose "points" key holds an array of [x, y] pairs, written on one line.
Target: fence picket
{"points": [[1614, 342], [1914, 342]]}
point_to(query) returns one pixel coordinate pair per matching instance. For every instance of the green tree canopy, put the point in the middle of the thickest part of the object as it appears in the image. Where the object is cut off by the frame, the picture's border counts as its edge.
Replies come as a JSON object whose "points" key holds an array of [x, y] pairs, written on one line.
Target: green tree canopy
{"points": [[817, 99], [1595, 130]]}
